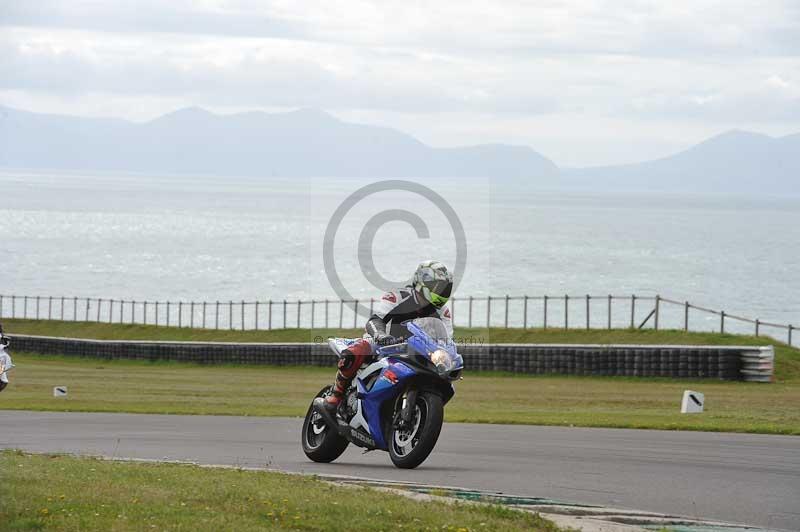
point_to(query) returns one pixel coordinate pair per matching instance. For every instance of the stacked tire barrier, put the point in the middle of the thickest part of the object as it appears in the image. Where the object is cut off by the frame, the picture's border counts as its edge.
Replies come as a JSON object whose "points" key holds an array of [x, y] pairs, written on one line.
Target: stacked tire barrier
{"points": [[678, 362]]}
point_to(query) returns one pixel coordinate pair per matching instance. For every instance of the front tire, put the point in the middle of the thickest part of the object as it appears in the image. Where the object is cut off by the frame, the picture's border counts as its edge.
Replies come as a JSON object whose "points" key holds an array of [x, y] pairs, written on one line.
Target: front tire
{"points": [[409, 447], [321, 443]]}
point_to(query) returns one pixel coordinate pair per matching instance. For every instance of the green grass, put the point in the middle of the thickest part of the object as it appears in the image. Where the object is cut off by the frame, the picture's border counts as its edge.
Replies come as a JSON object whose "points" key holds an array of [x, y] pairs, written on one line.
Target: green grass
{"points": [[180, 388], [177, 388], [787, 359], [65, 493]]}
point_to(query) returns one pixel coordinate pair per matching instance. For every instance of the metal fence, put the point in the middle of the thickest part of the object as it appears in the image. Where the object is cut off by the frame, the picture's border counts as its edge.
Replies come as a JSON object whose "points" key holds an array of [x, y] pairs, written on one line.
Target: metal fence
{"points": [[567, 311]]}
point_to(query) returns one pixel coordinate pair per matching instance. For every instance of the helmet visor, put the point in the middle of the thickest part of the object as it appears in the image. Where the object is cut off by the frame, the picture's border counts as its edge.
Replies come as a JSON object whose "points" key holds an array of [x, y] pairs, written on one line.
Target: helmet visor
{"points": [[436, 299]]}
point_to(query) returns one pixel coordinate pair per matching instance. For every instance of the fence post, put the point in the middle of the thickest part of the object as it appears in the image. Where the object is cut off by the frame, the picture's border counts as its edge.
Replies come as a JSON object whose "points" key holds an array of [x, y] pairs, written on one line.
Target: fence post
{"points": [[242, 313], [255, 322], [588, 297], [204, 315], [722, 322], [505, 320], [99, 305], [62, 308], [156, 313], [609, 311], [758, 322], [216, 316], [169, 314], [86, 315], [13, 306], [525, 312], [269, 315], [191, 315], [633, 311], [180, 314], [299, 303], [313, 308], [50, 308], [38, 298], [75, 308], [144, 310], [545, 312], [230, 314], [110, 310], [133, 312], [121, 309], [25, 308], [686, 316], [355, 314], [341, 312], [790, 335], [566, 311], [488, 310], [284, 314], [470, 312], [658, 305]]}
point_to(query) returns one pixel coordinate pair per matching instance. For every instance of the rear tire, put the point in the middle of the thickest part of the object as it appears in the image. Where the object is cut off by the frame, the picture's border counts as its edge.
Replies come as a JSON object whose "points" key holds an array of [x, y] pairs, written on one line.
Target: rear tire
{"points": [[321, 443], [409, 448]]}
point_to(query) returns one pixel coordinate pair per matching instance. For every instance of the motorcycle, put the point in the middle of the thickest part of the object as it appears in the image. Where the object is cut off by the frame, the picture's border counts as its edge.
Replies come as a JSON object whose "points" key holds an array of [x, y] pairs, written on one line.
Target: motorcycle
{"points": [[395, 404]]}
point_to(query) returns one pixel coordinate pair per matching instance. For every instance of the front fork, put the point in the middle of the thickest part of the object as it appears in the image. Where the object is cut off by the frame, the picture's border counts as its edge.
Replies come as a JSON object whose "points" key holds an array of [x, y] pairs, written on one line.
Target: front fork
{"points": [[408, 408]]}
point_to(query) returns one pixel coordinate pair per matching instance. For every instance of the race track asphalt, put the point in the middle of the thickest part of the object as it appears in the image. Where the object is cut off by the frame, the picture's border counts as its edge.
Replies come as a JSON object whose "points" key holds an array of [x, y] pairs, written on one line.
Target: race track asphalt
{"points": [[744, 478]]}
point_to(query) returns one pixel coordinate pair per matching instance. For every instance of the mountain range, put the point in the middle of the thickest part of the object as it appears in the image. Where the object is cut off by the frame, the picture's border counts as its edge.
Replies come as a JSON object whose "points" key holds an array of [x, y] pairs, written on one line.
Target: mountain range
{"points": [[310, 142]]}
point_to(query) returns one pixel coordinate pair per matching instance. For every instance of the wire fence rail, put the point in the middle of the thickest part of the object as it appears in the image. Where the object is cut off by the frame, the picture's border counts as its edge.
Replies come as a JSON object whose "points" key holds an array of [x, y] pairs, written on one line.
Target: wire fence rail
{"points": [[567, 312]]}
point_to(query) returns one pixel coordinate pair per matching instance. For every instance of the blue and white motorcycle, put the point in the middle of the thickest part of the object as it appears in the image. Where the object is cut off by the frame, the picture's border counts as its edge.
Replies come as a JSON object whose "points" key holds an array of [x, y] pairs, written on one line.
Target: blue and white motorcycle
{"points": [[395, 404]]}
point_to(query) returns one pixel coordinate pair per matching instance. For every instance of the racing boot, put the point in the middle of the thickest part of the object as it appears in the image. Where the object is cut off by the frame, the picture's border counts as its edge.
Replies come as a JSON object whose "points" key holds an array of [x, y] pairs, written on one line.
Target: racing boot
{"points": [[351, 360]]}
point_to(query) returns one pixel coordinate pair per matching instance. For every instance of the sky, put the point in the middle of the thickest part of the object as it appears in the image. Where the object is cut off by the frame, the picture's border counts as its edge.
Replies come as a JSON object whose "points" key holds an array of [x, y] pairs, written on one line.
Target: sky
{"points": [[584, 82]]}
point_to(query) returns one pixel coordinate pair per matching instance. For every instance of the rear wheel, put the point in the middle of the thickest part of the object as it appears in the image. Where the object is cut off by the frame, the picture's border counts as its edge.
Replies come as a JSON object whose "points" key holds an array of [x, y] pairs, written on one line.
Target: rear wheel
{"points": [[410, 445], [321, 443]]}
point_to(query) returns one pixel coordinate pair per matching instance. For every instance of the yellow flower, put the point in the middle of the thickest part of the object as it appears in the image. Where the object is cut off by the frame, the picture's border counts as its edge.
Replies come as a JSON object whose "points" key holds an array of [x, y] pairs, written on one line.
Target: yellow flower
{"points": [[44, 511]]}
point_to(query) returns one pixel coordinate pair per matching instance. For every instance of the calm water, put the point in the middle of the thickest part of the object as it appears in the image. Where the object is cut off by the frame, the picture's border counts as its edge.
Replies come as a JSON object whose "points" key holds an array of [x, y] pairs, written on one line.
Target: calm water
{"points": [[176, 238]]}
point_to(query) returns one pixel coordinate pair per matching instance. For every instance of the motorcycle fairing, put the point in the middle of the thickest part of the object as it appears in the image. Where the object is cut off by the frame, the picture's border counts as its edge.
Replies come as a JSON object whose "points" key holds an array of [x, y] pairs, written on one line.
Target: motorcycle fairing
{"points": [[358, 421], [388, 386]]}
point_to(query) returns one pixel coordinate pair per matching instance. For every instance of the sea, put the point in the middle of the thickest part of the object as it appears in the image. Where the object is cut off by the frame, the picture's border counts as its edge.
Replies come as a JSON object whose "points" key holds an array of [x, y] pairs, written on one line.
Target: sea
{"points": [[206, 238]]}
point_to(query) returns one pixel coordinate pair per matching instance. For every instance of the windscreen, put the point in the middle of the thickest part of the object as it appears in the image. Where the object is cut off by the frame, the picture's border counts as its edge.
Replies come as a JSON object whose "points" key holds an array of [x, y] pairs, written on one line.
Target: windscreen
{"points": [[434, 328]]}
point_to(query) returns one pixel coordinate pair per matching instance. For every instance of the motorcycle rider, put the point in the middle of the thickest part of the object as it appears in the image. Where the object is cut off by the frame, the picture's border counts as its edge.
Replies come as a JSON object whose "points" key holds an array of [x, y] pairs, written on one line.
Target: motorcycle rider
{"points": [[426, 296]]}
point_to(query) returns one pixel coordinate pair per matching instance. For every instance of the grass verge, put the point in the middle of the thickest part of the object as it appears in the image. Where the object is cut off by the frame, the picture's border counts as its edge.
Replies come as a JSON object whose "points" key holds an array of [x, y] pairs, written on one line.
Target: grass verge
{"points": [[180, 388], [64, 493]]}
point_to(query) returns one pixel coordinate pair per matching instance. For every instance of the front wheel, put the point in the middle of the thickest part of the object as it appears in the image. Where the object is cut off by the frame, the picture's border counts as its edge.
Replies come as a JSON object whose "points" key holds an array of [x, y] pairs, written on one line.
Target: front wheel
{"points": [[321, 443], [410, 445]]}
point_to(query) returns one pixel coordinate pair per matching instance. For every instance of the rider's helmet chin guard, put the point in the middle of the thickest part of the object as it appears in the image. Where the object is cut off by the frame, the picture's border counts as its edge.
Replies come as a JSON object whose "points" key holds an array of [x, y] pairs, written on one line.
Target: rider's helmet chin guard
{"points": [[433, 282]]}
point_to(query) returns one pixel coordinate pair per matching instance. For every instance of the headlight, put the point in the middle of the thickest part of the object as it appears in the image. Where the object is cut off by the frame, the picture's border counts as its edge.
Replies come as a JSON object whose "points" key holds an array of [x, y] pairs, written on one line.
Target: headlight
{"points": [[442, 360]]}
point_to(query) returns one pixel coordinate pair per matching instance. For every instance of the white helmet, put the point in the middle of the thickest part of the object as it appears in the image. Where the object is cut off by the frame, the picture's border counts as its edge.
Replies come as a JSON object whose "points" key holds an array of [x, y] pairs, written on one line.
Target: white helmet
{"points": [[433, 282]]}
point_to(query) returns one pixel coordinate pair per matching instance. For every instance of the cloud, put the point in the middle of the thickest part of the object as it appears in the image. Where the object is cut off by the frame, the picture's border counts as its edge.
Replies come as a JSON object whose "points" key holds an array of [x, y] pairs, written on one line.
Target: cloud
{"points": [[259, 72], [630, 27], [562, 68]]}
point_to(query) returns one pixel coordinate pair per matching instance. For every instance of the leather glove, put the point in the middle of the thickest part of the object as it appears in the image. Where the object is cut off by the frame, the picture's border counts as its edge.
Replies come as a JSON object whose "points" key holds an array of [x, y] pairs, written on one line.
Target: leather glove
{"points": [[386, 339]]}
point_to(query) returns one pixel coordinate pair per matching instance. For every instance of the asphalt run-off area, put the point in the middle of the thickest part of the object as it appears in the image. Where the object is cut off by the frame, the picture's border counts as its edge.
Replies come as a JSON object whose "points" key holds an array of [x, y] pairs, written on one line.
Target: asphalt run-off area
{"points": [[743, 478]]}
